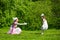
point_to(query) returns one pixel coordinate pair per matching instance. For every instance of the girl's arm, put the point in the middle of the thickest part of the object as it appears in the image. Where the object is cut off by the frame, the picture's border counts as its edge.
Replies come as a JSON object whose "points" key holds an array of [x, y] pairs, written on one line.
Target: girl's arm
{"points": [[21, 23]]}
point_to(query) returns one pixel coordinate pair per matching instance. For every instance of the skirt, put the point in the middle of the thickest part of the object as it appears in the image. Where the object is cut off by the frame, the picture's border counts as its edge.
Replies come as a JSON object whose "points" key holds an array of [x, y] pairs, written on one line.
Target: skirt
{"points": [[15, 31], [44, 27]]}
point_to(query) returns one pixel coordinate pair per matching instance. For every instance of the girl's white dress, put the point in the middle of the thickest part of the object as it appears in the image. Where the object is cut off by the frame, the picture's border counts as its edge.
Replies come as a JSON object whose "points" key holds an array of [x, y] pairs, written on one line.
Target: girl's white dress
{"points": [[45, 25], [16, 30]]}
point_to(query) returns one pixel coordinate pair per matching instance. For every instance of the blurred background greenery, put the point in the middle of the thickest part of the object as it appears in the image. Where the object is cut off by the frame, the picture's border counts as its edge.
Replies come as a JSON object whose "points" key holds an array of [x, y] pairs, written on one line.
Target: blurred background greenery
{"points": [[29, 11]]}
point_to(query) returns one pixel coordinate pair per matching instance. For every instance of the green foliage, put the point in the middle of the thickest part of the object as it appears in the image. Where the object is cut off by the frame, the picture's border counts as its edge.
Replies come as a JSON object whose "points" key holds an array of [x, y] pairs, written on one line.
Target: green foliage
{"points": [[28, 11], [56, 13]]}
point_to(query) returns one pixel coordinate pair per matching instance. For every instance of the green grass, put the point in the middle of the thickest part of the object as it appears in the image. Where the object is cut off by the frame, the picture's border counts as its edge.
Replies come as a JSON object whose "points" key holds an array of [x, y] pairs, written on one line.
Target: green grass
{"points": [[50, 34]]}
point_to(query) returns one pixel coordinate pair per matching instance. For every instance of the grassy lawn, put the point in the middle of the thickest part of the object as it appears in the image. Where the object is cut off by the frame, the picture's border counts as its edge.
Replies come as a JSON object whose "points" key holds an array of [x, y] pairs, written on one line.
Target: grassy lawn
{"points": [[50, 34]]}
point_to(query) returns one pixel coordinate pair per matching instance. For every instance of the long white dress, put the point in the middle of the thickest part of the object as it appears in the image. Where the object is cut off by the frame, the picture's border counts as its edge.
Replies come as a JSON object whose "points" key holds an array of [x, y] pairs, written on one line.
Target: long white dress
{"points": [[45, 25]]}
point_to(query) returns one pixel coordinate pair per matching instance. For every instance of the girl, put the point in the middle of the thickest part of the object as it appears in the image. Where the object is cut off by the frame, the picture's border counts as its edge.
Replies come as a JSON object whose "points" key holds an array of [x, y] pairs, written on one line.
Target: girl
{"points": [[14, 29], [44, 25]]}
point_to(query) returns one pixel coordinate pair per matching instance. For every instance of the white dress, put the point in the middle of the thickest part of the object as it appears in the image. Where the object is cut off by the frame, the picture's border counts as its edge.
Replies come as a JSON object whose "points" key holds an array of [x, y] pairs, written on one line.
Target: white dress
{"points": [[45, 25], [16, 30]]}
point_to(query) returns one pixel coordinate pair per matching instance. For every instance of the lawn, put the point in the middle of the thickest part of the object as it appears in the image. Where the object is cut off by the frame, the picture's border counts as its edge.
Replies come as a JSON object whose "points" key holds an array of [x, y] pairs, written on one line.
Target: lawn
{"points": [[50, 34]]}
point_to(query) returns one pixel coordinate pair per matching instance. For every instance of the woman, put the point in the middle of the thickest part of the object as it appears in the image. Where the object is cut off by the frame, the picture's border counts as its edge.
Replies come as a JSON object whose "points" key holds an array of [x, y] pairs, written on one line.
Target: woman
{"points": [[14, 29], [44, 25]]}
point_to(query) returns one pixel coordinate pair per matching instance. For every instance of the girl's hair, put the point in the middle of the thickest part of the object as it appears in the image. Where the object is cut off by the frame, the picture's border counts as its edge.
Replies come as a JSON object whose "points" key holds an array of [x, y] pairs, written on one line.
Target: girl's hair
{"points": [[44, 17]]}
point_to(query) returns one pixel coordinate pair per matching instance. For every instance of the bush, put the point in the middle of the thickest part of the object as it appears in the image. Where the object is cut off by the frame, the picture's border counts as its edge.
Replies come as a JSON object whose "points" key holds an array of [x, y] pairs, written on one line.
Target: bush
{"points": [[27, 11]]}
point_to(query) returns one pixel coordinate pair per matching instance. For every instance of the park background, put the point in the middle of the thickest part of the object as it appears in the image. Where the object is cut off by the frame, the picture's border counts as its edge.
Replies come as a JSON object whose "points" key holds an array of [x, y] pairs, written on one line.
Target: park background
{"points": [[30, 11]]}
